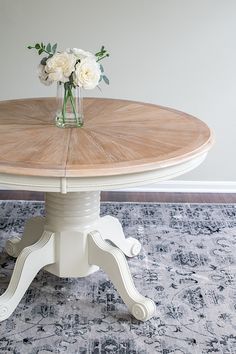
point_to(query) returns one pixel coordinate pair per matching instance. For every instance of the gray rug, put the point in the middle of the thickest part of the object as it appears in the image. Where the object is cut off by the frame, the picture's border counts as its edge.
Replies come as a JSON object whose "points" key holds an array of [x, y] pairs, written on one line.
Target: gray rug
{"points": [[187, 265]]}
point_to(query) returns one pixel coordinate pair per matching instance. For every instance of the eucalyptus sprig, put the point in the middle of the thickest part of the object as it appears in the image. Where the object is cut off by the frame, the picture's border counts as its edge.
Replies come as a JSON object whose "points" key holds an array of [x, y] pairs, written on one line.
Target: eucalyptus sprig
{"points": [[43, 48], [103, 53]]}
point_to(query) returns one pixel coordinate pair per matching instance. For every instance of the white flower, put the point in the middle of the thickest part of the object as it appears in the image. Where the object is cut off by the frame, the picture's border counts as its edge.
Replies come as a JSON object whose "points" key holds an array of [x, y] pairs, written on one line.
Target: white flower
{"points": [[87, 73], [81, 54], [60, 66], [43, 76]]}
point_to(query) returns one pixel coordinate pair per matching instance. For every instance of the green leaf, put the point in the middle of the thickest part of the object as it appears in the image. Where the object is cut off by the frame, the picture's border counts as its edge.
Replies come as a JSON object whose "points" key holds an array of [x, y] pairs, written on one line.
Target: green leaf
{"points": [[101, 68], [29, 47], [44, 61], [42, 45], [37, 45], [100, 78], [40, 51], [54, 48], [106, 80], [48, 48]]}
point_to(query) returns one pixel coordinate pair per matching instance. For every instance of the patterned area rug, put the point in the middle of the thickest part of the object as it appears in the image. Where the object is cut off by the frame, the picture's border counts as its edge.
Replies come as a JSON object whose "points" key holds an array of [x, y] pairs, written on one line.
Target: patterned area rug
{"points": [[187, 265]]}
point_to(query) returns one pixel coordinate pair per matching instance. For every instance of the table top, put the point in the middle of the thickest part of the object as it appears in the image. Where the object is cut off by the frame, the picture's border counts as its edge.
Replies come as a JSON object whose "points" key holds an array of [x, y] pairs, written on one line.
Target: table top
{"points": [[118, 137]]}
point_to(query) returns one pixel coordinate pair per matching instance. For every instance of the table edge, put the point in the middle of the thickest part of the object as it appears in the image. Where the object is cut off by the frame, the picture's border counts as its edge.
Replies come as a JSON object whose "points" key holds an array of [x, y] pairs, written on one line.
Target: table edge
{"points": [[99, 183]]}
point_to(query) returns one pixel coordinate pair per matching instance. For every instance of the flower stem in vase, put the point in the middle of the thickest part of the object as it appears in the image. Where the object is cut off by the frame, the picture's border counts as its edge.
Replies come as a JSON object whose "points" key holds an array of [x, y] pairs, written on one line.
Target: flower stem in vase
{"points": [[72, 100], [70, 106], [64, 104]]}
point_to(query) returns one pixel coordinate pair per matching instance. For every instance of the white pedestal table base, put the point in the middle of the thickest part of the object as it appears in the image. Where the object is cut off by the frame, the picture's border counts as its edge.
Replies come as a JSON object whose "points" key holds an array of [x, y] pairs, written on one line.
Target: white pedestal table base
{"points": [[74, 241]]}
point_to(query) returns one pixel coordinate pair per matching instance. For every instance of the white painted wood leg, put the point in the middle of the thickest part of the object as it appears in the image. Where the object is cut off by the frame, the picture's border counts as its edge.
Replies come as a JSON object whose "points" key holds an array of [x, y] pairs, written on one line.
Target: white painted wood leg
{"points": [[68, 231], [32, 232], [111, 229], [113, 262], [28, 264]]}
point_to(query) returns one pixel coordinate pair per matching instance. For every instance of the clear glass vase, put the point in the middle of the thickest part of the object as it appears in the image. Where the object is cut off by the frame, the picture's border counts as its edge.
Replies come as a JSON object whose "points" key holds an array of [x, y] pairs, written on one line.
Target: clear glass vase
{"points": [[69, 106]]}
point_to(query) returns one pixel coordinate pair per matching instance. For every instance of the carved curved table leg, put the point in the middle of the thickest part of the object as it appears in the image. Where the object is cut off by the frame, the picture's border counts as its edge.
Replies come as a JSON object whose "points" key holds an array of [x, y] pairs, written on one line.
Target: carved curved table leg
{"points": [[111, 229], [28, 264], [113, 262], [32, 232]]}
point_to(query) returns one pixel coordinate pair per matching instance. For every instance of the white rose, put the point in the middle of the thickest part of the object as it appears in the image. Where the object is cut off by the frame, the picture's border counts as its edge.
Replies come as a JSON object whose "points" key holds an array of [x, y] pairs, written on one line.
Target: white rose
{"points": [[87, 73], [81, 54], [57, 75], [43, 76], [60, 66]]}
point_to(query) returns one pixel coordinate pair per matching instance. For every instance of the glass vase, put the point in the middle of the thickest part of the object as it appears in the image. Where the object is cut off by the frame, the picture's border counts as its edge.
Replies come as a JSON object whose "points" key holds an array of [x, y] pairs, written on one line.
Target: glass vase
{"points": [[69, 106]]}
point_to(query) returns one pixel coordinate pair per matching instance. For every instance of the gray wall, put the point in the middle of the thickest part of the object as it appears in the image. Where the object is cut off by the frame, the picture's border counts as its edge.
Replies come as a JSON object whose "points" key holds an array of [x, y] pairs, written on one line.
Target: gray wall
{"points": [[178, 53]]}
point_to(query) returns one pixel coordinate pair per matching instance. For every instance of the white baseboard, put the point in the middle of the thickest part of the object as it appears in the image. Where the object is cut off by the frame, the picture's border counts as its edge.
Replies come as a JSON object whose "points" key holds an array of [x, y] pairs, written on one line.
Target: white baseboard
{"points": [[188, 187]]}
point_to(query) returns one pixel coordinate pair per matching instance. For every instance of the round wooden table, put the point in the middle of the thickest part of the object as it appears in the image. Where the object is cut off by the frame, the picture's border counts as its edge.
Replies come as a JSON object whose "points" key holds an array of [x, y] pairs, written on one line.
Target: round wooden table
{"points": [[122, 144]]}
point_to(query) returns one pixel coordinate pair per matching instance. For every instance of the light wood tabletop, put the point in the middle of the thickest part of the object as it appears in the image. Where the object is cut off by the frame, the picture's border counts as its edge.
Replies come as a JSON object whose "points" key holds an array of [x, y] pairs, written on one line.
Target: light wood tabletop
{"points": [[118, 137]]}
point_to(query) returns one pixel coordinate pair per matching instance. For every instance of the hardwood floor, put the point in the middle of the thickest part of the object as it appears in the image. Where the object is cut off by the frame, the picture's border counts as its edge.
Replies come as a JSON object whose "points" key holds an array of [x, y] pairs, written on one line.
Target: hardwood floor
{"points": [[135, 197]]}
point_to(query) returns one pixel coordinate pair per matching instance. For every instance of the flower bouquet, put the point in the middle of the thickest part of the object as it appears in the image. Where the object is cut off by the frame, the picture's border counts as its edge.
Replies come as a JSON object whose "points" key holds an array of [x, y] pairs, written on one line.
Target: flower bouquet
{"points": [[72, 69]]}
